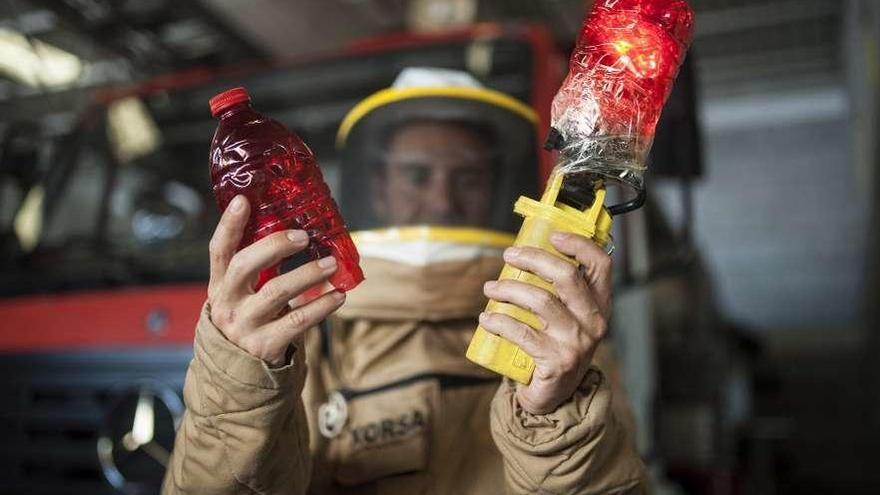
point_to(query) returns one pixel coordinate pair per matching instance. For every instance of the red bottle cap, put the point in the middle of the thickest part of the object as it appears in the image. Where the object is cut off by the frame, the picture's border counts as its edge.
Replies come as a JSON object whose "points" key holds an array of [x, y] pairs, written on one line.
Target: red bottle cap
{"points": [[226, 99]]}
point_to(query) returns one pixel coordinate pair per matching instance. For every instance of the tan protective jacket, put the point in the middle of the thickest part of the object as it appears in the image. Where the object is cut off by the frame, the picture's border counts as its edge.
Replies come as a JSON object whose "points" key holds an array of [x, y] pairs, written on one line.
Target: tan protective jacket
{"points": [[406, 413]]}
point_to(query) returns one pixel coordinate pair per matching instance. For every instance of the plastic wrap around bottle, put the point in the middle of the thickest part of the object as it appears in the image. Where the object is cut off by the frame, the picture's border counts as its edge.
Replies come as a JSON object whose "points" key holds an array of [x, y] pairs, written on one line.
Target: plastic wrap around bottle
{"points": [[620, 75], [259, 158]]}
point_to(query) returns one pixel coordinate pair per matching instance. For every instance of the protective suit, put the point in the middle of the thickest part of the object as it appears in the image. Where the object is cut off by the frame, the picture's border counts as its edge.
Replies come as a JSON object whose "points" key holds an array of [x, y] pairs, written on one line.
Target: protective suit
{"points": [[381, 399]]}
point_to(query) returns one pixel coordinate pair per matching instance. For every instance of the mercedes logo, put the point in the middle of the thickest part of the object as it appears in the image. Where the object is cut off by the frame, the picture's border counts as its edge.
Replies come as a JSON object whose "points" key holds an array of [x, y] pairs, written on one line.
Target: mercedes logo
{"points": [[136, 438]]}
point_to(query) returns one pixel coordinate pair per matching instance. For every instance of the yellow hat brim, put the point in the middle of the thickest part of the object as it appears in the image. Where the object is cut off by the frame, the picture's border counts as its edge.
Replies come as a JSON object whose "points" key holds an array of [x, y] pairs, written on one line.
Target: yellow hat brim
{"points": [[393, 95]]}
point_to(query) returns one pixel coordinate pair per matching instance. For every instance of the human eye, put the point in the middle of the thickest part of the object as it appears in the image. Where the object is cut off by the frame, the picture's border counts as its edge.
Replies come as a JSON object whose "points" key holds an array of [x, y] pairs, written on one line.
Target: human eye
{"points": [[416, 175]]}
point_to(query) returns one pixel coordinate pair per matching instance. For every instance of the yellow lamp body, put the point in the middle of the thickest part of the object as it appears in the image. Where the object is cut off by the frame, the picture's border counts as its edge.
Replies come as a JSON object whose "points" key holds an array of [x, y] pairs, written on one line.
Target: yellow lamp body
{"points": [[541, 219]]}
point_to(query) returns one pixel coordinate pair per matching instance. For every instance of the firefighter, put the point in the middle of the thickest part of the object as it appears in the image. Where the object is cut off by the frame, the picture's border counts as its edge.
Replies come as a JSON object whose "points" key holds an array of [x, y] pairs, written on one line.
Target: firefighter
{"points": [[370, 391]]}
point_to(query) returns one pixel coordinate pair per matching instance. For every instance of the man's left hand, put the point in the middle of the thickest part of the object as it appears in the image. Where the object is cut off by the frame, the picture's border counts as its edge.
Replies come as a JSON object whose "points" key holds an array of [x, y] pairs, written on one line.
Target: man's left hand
{"points": [[574, 322]]}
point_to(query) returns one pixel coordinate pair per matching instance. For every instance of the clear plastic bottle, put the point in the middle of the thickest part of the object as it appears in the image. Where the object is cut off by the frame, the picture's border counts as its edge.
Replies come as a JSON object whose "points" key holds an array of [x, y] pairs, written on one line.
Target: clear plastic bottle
{"points": [[259, 158]]}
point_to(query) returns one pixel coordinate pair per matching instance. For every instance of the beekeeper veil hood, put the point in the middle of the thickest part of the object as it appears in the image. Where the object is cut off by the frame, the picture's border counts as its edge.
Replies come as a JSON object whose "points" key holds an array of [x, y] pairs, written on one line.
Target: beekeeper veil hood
{"points": [[433, 270], [504, 126]]}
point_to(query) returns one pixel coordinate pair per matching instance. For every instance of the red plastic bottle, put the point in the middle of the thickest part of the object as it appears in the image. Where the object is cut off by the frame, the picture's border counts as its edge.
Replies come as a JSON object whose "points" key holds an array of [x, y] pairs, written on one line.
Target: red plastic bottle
{"points": [[258, 157]]}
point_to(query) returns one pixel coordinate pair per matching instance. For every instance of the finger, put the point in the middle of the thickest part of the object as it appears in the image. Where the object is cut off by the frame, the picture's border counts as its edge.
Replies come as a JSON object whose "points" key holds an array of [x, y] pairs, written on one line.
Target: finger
{"points": [[570, 285], [543, 304], [268, 251], [290, 326], [311, 294], [596, 263], [226, 237], [276, 294], [525, 337]]}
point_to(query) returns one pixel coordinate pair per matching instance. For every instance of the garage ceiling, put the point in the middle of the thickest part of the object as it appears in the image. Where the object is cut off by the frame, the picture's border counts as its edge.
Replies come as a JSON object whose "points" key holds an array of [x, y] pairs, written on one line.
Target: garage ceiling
{"points": [[739, 41]]}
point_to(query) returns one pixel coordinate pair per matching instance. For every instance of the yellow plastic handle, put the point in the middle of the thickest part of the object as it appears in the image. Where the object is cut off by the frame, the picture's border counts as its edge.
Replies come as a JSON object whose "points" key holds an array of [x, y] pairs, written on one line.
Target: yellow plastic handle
{"points": [[541, 219]]}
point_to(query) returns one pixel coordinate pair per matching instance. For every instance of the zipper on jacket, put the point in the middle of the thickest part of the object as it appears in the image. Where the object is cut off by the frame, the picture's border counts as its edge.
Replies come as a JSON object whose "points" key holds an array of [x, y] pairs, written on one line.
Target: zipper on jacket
{"points": [[447, 381], [333, 414]]}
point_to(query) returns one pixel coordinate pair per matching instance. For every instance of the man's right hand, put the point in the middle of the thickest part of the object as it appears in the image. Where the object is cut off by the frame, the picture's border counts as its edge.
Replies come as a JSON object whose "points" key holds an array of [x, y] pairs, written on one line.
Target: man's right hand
{"points": [[266, 322]]}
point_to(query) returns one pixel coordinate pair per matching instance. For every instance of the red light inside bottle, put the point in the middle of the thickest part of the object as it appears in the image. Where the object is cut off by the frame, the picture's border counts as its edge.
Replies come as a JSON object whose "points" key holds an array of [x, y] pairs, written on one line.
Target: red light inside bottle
{"points": [[622, 69], [638, 55]]}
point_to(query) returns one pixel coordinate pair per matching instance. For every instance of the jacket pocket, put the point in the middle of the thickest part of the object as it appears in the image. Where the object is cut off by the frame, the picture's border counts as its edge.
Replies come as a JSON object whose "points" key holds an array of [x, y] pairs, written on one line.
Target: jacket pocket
{"points": [[386, 433]]}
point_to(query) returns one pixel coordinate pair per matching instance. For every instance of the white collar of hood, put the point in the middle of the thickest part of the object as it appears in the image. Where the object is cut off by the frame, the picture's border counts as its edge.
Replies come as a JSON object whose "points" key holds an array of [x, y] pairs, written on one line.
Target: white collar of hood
{"points": [[424, 273], [424, 245]]}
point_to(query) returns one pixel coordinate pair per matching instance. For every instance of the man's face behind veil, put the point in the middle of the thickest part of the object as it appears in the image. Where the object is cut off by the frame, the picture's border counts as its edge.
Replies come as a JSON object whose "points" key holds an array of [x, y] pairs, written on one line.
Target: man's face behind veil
{"points": [[434, 173]]}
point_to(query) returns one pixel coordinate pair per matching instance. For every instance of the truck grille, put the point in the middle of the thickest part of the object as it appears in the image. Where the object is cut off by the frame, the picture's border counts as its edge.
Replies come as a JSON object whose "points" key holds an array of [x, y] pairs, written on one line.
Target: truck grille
{"points": [[52, 406]]}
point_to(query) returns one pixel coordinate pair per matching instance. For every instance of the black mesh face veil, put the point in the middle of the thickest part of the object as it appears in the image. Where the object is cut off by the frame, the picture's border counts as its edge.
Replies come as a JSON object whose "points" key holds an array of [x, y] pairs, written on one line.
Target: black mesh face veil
{"points": [[509, 137]]}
